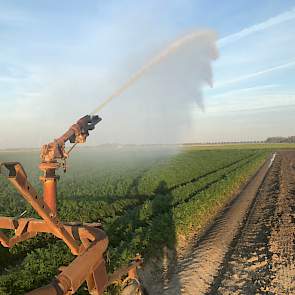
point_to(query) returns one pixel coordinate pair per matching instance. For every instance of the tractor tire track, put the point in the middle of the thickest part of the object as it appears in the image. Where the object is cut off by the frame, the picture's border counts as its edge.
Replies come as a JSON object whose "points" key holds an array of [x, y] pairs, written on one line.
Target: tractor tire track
{"points": [[263, 258], [196, 270], [282, 239]]}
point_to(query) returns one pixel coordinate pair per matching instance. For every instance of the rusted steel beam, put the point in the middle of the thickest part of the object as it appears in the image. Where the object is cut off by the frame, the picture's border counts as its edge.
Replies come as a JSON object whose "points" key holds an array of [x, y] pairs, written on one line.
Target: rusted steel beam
{"points": [[18, 178], [29, 227], [4, 240], [72, 276], [87, 241], [48, 290], [8, 223], [129, 269]]}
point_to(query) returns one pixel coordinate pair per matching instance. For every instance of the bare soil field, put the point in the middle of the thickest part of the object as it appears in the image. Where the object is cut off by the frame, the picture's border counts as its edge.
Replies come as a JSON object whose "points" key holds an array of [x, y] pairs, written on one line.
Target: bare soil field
{"points": [[249, 248], [262, 259]]}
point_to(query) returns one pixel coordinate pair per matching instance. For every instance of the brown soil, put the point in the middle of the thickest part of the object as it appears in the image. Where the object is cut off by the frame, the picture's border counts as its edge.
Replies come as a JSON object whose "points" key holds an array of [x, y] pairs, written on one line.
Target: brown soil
{"points": [[249, 249], [262, 260]]}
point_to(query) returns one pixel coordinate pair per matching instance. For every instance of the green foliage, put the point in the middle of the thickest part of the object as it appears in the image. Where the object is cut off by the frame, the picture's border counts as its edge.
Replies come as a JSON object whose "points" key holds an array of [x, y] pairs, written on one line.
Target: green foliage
{"points": [[144, 198], [36, 269]]}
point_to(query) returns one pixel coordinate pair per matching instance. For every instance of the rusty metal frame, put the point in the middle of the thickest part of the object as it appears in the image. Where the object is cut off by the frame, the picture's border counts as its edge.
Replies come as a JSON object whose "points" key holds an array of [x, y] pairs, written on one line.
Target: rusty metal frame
{"points": [[87, 241]]}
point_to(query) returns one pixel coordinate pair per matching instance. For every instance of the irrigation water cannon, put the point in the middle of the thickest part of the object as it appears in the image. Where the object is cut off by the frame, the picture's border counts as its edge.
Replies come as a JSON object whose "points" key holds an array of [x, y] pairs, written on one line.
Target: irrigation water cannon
{"points": [[54, 156], [87, 241], [77, 133]]}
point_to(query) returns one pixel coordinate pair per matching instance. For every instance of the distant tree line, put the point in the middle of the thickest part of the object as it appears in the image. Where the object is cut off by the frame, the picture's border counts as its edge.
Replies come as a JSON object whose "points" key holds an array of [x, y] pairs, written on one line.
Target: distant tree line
{"points": [[281, 139]]}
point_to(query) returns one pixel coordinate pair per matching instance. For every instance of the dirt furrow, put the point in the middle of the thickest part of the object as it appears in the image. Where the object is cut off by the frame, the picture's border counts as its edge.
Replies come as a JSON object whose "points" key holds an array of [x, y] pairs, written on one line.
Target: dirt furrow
{"points": [[250, 247], [261, 260], [283, 234], [196, 270], [244, 270]]}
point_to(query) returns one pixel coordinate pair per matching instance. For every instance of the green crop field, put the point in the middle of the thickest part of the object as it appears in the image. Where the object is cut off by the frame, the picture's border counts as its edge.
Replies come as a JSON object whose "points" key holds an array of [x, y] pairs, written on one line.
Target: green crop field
{"points": [[145, 197]]}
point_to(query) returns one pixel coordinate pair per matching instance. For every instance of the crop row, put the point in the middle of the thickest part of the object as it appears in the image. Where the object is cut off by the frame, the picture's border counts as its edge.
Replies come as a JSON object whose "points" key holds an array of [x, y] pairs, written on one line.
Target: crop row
{"points": [[157, 223], [144, 205], [91, 209]]}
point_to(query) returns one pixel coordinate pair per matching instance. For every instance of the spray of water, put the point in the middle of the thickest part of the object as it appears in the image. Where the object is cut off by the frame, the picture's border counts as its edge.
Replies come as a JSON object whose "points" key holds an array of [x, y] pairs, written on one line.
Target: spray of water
{"points": [[172, 48]]}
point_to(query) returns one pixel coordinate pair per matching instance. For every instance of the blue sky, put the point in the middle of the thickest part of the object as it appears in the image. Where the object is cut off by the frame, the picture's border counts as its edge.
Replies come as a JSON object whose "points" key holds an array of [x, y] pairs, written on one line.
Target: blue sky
{"points": [[60, 59]]}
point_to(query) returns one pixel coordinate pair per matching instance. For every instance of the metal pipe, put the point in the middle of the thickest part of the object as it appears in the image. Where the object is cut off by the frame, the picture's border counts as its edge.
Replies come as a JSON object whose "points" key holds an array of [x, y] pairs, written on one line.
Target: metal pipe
{"points": [[47, 290], [49, 193]]}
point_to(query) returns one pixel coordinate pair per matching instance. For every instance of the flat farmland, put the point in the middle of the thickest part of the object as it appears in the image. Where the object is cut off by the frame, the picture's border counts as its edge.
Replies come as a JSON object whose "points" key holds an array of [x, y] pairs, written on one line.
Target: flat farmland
{"points": [[148, 199]]}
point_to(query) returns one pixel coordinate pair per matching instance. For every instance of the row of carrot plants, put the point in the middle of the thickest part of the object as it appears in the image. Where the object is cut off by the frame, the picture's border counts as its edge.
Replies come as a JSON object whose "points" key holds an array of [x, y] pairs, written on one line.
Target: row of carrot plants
{"points": [[145, 201]]}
